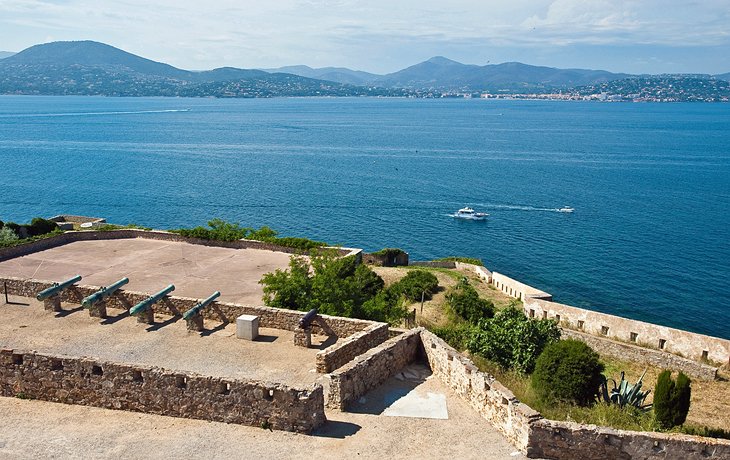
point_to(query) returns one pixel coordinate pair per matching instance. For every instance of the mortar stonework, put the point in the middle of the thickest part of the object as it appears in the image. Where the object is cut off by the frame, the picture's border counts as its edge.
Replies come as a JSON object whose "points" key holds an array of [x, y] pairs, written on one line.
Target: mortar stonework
{"points": [[344, 351], [643, 355], [274, 318], [153, 390], [369, 370]]}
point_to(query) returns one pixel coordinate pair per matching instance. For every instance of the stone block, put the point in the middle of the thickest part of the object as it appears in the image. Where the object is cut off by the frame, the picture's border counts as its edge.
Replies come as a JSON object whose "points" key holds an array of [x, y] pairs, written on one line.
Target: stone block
{"points": [[247, 327]]}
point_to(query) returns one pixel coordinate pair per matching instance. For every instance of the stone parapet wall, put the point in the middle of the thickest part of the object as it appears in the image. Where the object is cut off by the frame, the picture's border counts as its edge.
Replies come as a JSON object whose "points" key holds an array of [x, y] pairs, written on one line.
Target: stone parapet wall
{"points": [[493, 401], [482, 272], [382, 260], [572, 441], [348, 349], [433, 263], [693, 346], [154, 390], [643, 355], [72, 236], [369, 370], [514, 288], [274, 318]]}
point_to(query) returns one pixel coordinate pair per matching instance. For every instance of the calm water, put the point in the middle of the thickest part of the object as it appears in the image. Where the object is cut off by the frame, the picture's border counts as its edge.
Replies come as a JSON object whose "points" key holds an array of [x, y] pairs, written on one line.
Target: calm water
{"points": [[650, 183]]}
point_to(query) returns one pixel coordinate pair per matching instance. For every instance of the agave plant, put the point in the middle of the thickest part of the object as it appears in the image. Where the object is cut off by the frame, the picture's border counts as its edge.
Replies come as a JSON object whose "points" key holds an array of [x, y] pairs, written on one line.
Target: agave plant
{"points": [[625, 393]]}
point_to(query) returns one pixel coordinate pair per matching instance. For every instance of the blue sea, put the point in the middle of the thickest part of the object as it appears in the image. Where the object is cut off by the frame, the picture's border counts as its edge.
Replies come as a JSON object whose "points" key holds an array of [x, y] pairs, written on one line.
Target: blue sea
{"points": [[650, 183]]}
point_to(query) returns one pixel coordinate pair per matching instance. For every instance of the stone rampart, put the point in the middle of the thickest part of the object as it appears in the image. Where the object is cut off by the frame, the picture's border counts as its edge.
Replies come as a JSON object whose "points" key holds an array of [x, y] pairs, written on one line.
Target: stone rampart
{"points": [[159, 391], [72, 236], [572, 441], [274, 318], [643, 355], [693, 346], [433, 263], [493, 401], [369, 370], [346, 350], [516, 289]]}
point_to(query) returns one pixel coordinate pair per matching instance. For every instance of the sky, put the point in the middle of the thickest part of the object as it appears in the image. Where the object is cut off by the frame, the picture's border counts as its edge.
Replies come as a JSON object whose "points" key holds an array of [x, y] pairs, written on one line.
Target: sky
{"points": [[381, 36]]}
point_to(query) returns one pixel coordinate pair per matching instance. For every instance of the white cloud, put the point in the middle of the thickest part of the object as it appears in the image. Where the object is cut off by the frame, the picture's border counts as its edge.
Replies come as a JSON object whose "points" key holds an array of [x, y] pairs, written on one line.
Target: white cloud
{"points": [[376, 35]]}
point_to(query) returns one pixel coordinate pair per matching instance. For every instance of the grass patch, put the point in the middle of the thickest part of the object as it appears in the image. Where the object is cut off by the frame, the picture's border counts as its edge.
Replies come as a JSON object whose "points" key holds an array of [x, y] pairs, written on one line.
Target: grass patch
{"points": [[466, 260]]}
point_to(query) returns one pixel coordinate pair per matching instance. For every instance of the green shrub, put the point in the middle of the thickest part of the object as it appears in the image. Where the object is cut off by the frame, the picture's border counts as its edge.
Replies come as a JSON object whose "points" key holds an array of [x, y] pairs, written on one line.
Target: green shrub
{"points": [[2, 224], [671, 399], [416, 283], [8, 236], [464, 300], [39, 226], [512, 340], [387, 306], [220, 230], [456, 335], [567, 371], [706, 431]]}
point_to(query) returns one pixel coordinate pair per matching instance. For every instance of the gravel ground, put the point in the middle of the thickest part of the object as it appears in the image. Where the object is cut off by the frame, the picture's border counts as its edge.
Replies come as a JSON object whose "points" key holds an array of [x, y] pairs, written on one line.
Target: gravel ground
{"points": [[37, 429]]}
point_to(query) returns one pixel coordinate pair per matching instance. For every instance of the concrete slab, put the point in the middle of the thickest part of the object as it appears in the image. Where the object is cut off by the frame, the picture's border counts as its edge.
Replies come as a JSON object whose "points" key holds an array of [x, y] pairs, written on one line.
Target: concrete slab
{"points": [[196, 271]]}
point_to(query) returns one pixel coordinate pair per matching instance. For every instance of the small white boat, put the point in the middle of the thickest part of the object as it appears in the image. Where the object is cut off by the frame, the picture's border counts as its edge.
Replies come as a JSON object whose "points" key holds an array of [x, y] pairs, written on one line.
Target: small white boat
{"points": [[469, 213], [566, 209]]}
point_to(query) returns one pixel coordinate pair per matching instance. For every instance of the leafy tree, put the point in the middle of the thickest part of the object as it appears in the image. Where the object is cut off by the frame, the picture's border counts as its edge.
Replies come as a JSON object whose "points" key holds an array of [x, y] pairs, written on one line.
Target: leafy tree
{"points": [[290, 288], [671, 399], [513, 340], [416, 283], [567, 371], [464, 300]]}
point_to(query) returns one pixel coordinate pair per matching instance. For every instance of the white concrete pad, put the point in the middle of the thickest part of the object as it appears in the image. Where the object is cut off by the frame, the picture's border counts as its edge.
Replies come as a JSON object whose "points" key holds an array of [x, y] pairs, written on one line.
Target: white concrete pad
{"points": [[417, 405]]}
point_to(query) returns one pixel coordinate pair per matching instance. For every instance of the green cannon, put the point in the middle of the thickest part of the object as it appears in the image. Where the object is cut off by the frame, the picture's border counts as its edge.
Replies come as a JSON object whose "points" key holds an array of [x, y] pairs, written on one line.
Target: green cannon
{"points": [[57, 288], [95, 301], [193, 318], [51, 297], [145, 306]]}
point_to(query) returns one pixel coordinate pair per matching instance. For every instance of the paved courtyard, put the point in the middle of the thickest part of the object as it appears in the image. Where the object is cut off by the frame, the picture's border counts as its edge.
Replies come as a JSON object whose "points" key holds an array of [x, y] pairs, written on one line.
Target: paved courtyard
{"points": [[195, 270]]}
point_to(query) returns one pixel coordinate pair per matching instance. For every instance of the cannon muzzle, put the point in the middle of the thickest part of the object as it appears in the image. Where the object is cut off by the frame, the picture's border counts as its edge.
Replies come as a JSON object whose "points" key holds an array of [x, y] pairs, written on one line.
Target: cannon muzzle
{"points": [[148, 302], [307, 319], [57, 288], [103, 293], [200, 306]]}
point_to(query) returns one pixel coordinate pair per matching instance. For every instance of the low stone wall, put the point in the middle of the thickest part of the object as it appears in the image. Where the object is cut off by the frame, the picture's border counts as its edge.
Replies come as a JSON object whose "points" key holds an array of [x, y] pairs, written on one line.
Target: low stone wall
{"points": [[348, 349], [383, 260], [154, 390], [434, 263], [69, 237], [696, 347], [642, 355], [274, 318], [572, 441], [371, 369], [514, 288], [538, 437], [493, 401]]}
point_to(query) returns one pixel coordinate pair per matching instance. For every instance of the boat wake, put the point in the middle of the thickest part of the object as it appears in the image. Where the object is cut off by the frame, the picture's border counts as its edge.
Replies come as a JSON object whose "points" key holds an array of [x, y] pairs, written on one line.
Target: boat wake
{"points": [[78, 114]]}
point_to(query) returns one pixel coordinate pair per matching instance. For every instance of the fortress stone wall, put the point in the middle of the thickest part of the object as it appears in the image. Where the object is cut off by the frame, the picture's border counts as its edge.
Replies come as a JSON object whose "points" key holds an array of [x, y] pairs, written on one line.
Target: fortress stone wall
{"points": [[72, 236], [274, 318], [154, 390], [539, 304], [346, 350]]}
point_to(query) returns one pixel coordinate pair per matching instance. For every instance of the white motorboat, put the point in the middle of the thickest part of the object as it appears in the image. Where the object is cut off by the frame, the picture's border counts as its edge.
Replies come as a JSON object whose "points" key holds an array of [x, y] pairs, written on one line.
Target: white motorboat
{"points": [[469, 213], [566, 209]]}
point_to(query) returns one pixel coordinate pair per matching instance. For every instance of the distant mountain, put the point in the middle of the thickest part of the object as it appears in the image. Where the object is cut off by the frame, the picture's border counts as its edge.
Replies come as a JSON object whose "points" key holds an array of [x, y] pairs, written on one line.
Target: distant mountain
{"points": [[338, 74], [92, 68], [4, 54], [440, 73]]}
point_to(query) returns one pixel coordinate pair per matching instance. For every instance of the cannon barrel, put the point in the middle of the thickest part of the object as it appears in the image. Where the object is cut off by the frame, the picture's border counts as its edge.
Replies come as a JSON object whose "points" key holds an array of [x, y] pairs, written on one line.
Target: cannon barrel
{"points": [[104, 292], [199, 307], [148, 302], [307, 318], [57, 287]]}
